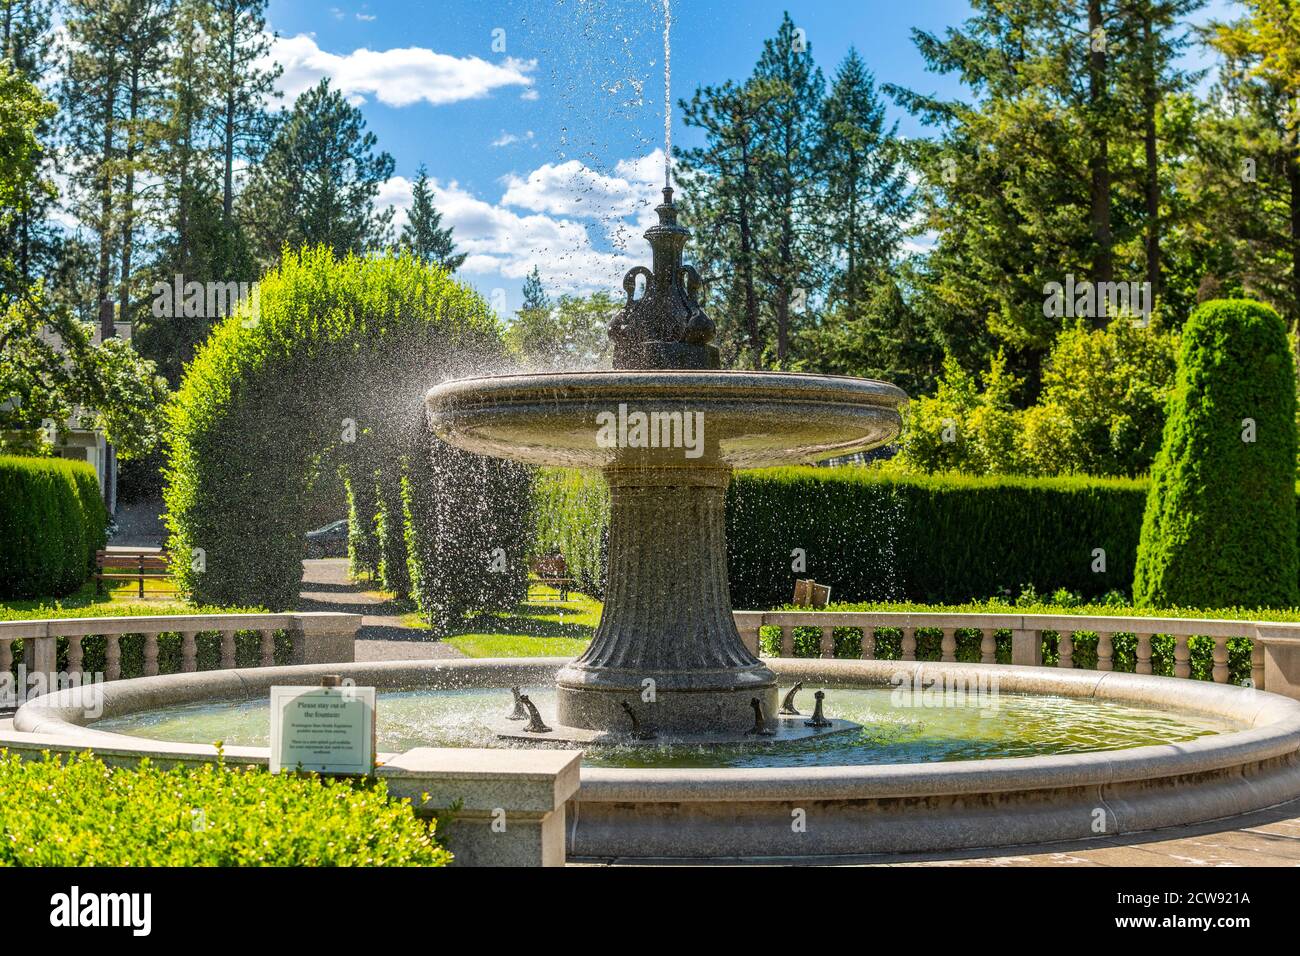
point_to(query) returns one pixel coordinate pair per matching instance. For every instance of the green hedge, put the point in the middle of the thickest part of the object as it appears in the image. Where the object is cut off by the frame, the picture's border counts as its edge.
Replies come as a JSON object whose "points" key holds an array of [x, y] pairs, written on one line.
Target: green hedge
{"points": [[332, 370], [1220, 523], [80, 812], [52, 521], [870, 537], [928, 538]]}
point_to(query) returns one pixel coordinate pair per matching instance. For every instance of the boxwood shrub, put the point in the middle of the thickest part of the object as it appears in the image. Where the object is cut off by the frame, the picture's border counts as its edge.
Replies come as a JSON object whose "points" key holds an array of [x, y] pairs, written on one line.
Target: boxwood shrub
{"points": [[52, 521], [80, 812]]}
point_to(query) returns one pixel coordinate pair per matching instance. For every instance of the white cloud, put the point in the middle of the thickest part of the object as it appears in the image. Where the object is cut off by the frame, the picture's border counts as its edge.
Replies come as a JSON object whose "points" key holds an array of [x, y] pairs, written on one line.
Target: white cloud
{"points": [[509, 139], [572, 189], [574, 244], [396, 77]]}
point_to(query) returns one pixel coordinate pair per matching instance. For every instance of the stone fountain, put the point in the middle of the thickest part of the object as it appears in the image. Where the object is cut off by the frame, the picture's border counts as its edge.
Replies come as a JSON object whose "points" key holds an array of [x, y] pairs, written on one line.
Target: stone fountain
{"points": [[667, 426]]}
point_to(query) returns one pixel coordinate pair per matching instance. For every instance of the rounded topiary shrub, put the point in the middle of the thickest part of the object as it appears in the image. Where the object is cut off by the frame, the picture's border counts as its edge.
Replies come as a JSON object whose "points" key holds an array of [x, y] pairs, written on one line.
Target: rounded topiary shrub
{"points": [[52, 521], [328, 367], [1220, 522]]}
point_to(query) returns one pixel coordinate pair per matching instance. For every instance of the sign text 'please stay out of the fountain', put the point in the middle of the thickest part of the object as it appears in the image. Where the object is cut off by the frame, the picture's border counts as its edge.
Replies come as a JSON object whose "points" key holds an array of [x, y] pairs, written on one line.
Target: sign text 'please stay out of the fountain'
{"points": [[323, 729]]}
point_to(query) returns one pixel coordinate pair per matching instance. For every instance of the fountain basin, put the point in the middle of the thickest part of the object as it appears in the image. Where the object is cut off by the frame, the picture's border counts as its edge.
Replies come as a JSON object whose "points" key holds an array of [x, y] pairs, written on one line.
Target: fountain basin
{"points": [[687, 813], [750, 419]]}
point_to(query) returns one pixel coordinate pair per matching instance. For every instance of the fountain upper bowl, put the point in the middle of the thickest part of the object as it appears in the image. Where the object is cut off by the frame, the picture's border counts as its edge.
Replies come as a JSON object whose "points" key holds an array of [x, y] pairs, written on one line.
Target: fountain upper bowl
{"points": [[737, 419]]}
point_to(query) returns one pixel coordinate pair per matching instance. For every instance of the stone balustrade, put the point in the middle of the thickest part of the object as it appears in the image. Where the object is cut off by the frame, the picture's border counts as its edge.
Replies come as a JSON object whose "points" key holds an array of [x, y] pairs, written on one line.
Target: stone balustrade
{"points": [[1275, 655], [315, 638]]}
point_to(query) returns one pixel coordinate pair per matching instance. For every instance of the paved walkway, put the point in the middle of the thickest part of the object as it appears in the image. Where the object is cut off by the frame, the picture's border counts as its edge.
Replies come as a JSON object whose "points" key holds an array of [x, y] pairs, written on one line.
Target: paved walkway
{"points": [[383, 636]]}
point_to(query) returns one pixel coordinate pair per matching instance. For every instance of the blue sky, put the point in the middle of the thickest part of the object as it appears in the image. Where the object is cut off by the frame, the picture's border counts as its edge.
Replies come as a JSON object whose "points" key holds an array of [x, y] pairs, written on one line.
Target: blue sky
{"points": [[541, 121]]}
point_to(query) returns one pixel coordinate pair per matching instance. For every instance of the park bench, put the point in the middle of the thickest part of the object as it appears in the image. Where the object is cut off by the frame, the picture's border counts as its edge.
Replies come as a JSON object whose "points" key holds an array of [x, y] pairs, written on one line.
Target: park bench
{"points": [[552, 570], [143, 564]]}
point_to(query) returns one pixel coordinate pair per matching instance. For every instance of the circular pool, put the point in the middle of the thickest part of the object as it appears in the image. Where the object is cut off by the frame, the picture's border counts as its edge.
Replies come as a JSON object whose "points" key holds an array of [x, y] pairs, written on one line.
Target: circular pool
{"points": [[1098, 754]]}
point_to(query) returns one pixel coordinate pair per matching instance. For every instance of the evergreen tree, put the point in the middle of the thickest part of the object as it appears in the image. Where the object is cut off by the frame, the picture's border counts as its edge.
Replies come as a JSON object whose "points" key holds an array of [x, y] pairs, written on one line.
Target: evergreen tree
{"points": [[788, 178], [423, 234], [866, 200], [535, 297], [722, 193], [318, 181], [29, 244]]}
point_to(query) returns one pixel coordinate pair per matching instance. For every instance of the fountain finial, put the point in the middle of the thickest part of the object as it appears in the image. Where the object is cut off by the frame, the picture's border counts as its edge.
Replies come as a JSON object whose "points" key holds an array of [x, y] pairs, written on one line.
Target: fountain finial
{"points": [[665, 328]]}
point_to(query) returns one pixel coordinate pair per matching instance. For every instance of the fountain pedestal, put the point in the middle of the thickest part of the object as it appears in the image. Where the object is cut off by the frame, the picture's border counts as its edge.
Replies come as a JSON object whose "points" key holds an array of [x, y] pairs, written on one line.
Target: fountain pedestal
{"points": [[667, 644]]}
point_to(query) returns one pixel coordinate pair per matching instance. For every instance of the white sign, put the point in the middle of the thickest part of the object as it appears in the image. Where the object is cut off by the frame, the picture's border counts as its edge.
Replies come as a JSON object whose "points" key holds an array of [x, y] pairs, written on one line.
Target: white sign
{"points": [[325, 729]]}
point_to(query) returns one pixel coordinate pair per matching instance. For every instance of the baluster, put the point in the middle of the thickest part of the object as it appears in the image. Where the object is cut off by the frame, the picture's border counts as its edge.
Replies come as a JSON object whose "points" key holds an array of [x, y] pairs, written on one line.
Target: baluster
{"points": [[1257, 663], [268, 648], [988, 646], [112, 657], [227, 648], [828, 643], [1143, 654], [1182, 656], [787, 641], [909, 643], [189, 652], [6, 655], [868, 644], [948, 646], [1065, 649], [1220, 672], [1105, 651], [74, 654], [150, 655]]}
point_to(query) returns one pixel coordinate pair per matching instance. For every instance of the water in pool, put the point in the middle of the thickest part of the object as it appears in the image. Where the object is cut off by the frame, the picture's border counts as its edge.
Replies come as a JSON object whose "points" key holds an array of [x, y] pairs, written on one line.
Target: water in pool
{"points": [[1011, 725]]}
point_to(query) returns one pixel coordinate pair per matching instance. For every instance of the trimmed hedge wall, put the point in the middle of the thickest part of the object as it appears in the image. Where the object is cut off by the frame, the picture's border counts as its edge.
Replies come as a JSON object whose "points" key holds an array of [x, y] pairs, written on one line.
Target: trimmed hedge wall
{"points": [[928, 538], [52, 521], [876, 538]]}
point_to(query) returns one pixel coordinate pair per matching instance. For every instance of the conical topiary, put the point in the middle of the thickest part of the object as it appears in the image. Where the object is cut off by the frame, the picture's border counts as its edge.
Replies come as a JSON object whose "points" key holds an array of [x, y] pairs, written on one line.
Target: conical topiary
{"points": [[1220, 522]]}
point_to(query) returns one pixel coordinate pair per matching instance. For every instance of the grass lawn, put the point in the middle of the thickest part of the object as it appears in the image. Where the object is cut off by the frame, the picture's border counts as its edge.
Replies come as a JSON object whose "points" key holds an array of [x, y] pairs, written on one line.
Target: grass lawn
{"points": [[121, 601], [542, 627]]}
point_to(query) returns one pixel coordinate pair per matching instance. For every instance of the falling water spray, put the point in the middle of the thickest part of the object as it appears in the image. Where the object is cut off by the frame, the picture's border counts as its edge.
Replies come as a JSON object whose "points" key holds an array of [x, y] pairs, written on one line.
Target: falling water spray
{"points": [[668, 97]]}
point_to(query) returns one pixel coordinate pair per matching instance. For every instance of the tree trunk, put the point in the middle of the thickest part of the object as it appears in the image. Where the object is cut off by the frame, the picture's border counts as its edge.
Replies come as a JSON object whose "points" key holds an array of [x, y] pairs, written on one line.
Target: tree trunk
{"points": [[1103, 267], [1149, 104], [1293, 180], [128, 197]]}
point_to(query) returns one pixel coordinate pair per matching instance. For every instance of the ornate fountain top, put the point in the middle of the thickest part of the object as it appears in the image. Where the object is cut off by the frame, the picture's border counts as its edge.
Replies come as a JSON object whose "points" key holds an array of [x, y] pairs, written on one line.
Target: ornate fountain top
{"points": [[665, 328]]}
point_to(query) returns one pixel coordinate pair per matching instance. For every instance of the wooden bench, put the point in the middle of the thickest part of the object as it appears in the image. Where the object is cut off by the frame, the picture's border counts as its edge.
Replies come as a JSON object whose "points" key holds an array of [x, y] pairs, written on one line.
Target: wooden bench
{"points": [[552, 570], [145, 564]]}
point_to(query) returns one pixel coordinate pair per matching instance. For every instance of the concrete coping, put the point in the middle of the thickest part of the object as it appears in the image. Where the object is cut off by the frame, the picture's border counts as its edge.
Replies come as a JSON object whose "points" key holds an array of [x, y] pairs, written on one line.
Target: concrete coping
{"points": [[1270, 728]]}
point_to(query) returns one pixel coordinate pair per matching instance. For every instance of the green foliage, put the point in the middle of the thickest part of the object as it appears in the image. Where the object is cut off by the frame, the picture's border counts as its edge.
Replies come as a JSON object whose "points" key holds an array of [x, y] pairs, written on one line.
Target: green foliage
{"points": [[80, 812], [336, 364], [572, 517], [873, 536], [52, 370], [467, 525], [318, 181], [389, 531], [1220, 522], [1100, 411], [53, 522], [571, 334], [363, 548]]}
